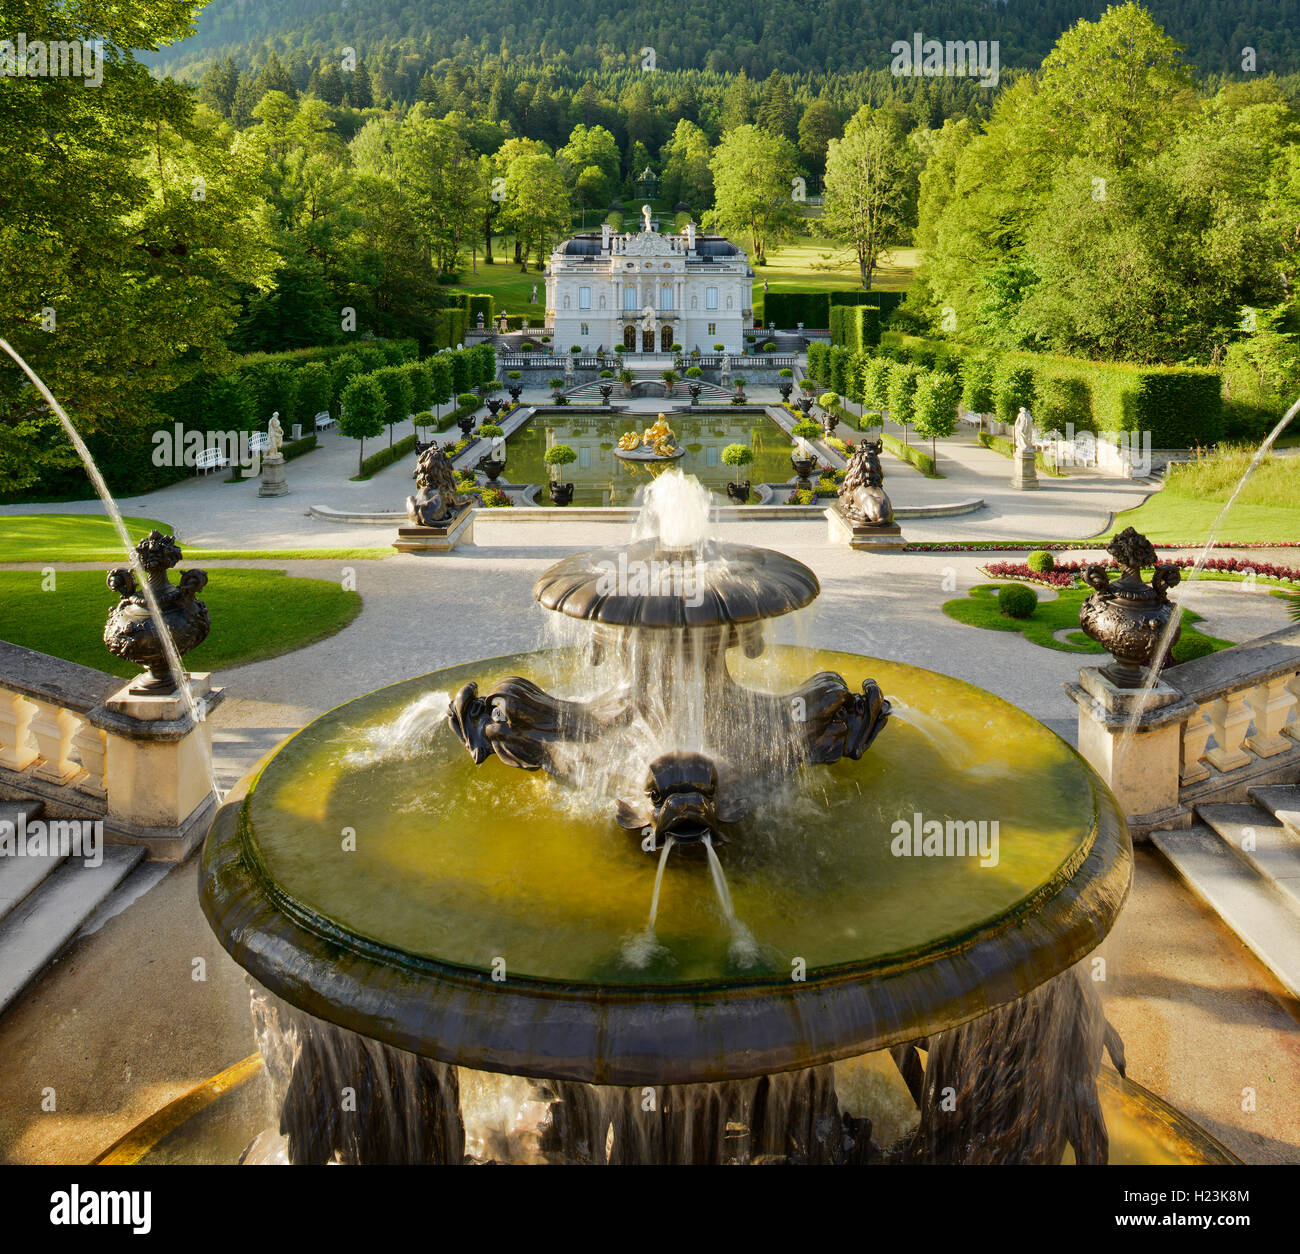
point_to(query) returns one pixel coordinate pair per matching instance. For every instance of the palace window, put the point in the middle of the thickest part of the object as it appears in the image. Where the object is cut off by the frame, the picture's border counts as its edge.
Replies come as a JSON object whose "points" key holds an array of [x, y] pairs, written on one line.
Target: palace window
{"points": [[713, 328], [629, 296], [710, 298], [584, 298], [666, 300], [585, 330]]}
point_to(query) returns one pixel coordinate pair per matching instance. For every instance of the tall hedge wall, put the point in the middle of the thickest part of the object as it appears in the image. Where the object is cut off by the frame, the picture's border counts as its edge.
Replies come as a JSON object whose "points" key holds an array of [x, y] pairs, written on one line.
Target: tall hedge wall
{"points": [[1180, 406], [855, 326]]}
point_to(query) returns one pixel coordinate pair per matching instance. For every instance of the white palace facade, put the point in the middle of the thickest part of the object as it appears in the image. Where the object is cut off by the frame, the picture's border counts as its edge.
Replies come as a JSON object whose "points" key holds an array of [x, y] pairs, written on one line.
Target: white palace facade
{"points": [[648, 291]]}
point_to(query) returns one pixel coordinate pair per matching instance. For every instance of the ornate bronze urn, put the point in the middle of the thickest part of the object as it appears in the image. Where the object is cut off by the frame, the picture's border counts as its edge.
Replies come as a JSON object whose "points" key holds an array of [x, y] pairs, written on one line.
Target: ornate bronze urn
{"points": [[1128, 617], [739, 492], [561, 493], [131, 632]]}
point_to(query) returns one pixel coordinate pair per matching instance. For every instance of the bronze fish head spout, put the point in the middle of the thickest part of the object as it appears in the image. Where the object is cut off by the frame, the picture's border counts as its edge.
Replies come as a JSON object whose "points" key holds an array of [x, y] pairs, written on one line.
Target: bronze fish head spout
{"points": [[681, 801]]}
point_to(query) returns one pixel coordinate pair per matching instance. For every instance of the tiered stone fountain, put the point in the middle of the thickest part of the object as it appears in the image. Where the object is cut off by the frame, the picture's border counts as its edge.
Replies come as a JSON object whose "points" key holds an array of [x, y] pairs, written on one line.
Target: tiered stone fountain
{"points": [[672, 935]]}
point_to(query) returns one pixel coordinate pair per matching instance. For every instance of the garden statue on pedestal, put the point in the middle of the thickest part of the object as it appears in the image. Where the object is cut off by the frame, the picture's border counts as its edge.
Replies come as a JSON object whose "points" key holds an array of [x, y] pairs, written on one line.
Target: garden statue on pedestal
{"points": [[1024, 476], [435, 499], [273, 483]]}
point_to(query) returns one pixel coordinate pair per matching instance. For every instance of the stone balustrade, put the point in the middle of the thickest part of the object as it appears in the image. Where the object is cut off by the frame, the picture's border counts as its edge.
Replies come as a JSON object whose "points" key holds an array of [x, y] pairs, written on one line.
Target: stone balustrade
{"points": [[1210, 730], [85, 746]]}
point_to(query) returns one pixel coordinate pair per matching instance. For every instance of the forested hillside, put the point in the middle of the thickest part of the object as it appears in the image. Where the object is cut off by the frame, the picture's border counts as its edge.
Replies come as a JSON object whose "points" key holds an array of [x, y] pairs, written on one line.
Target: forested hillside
{"points": [[818, 36]]}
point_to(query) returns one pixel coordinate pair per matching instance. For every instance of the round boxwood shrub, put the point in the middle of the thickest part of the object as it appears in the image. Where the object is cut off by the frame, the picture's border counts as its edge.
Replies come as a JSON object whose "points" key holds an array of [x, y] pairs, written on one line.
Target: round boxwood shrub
{"points": [[694, 372], [1040, 561], [489, 429], [807, 430], [606, 374], [1017, 601], [559, 455], [467, 399], [1189, 647]]}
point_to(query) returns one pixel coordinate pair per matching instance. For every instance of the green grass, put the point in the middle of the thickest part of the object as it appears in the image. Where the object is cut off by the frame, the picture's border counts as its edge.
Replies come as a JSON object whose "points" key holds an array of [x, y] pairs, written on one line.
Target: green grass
{"points": [[980, 609], [256, 614], [1184, 510], [68, 537], [50, 538]]}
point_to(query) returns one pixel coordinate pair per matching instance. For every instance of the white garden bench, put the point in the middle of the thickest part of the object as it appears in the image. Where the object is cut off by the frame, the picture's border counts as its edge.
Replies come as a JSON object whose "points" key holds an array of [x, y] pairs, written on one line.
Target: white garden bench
{"points": [[210, 459], [258, 442], [323, 420]]}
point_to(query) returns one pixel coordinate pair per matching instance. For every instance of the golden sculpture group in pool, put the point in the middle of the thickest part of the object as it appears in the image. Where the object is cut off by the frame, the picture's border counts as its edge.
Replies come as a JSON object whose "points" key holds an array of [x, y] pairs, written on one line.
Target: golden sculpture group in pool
{"points": [[659, 437]]}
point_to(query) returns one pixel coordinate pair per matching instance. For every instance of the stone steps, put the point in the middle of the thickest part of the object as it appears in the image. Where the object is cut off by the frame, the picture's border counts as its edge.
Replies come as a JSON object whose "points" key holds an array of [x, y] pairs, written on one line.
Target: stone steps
{"points": [[1243, 860], [1261, 842], [44, 902], [1283, 801], [21, 876]]}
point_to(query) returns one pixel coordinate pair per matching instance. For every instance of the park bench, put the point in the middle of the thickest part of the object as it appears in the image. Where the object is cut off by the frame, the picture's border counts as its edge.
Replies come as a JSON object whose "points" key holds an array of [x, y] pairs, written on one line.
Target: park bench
{"points": [[210, 459], [323, 420]]}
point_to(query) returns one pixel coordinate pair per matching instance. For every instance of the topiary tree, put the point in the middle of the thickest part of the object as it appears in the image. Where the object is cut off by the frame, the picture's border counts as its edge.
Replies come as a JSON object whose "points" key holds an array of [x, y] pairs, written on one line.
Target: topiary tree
{"points": [[737, 455], [901, 396], [937, 396], [361, 416], [443, 384], [1015, 600], [559, 455]]}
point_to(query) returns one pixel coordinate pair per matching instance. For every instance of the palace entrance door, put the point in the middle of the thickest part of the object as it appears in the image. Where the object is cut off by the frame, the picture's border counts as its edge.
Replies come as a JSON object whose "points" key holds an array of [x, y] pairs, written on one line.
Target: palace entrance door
{"points": [[629, 338]]}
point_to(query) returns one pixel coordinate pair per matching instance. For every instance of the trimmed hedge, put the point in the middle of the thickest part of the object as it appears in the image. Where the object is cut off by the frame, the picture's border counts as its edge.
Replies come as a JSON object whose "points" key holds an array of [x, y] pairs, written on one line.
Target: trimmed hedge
{"points": [[912, 455], [788, 309], [855, 326], [296, 448], [1181, 406], [386, 457]]}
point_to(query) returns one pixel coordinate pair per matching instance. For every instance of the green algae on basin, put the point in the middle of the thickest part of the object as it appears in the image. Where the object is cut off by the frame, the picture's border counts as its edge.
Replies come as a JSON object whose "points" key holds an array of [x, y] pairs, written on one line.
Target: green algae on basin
{"points": [[470, 865], [601, 478], [372, 877]]}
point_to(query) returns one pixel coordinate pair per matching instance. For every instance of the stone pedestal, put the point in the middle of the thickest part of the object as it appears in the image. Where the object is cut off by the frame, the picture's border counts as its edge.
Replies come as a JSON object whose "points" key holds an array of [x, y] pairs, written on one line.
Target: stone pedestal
{"points": [[880, 539], [457, 530], [158, 768], [1141, 771], [1024, 474], [273, 483]]}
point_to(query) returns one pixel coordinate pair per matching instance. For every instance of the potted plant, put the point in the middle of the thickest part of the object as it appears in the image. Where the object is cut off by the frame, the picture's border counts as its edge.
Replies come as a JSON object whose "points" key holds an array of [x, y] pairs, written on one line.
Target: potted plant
{"points": [[739, 397], [626, 378], [515, 387], [786, 375], [827, 402], [557, 390], [695, 391], [576, 349], [738, 455], [718, 348], [556, 456], [670, 378]]}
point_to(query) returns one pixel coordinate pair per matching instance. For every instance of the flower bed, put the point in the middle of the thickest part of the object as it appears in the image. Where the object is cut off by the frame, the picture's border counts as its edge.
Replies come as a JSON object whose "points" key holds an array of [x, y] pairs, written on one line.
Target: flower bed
{"points": [[1066, 574]]}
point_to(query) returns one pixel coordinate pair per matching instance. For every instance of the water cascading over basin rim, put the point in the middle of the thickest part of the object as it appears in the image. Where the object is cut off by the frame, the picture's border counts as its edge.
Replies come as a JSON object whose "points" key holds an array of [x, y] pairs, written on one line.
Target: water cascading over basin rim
{"points": [[710, 585], [347, 968]]}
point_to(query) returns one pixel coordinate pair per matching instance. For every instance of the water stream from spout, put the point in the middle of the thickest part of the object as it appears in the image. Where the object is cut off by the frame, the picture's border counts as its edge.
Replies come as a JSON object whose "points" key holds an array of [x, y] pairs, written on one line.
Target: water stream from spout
{"points": [[1190, 576], [743, 947], [197, 710], [659, 879]]}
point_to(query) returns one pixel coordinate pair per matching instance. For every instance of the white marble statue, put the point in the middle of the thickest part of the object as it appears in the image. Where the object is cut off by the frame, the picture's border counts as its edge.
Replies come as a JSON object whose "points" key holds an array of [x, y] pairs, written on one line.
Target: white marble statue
{"points": [[1024, 431], [274, 435], [645, 217]]}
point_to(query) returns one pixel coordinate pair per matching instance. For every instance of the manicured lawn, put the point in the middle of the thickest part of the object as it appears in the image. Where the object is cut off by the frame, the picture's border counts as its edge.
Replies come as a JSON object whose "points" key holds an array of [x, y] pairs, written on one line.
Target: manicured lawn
{"points": [[1184, 510], [92, 538], [68, 537], [255, 614], [980, 609]]}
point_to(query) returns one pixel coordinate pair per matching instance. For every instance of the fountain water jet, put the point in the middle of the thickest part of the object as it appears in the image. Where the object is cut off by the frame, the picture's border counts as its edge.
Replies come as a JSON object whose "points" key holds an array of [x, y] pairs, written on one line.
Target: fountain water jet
{"points": [[483, 923]]}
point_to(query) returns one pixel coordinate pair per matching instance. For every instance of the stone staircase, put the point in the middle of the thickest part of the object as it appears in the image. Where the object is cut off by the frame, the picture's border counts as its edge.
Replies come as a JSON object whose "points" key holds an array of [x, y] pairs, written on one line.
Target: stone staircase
{"points": [[1243, 860], [45, 901]]}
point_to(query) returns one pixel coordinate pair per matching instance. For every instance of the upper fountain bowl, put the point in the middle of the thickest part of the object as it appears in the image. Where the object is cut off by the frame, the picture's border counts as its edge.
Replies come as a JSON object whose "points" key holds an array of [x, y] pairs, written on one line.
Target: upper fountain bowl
{"points": [[648, 583]]}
